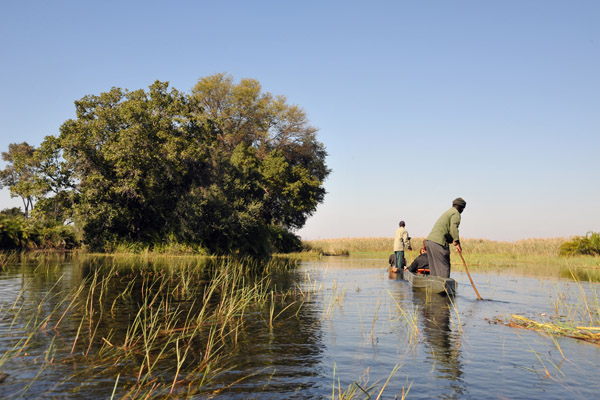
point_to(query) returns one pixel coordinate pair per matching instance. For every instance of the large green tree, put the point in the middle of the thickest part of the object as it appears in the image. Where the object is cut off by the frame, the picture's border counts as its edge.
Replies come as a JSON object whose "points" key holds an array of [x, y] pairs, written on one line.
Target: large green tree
{"points": [[291, 160], [221, 167], [132, 155]]}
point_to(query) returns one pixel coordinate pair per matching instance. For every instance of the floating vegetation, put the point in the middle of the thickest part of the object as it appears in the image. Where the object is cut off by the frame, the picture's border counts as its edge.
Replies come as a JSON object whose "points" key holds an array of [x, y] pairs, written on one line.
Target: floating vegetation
{"points": [[586, 333], [580, 320]]}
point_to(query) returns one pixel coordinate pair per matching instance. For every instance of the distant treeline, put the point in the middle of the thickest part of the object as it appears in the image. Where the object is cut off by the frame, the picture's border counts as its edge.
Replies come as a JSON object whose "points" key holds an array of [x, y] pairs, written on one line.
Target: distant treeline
{"points": [[225, 169]]}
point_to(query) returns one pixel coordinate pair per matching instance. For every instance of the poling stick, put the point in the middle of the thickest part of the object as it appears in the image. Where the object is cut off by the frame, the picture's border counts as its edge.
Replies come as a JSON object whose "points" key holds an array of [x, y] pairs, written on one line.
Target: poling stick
{"points": [[468, 274]]}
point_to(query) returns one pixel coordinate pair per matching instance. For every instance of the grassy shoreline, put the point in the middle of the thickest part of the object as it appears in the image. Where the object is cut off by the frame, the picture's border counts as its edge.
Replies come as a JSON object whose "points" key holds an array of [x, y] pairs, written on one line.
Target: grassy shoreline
{"points": [[545, 247], [529, 256], [539, 256]]}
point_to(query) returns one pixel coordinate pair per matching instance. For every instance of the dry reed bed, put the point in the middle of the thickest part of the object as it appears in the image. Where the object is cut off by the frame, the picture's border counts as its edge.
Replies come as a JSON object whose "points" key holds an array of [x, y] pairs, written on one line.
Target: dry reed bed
{"points": [[538, 247], [529, 256]]}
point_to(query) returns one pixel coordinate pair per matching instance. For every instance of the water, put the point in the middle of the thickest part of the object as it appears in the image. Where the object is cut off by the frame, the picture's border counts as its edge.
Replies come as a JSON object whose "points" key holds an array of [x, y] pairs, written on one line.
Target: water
{"points": [[355, 327]]}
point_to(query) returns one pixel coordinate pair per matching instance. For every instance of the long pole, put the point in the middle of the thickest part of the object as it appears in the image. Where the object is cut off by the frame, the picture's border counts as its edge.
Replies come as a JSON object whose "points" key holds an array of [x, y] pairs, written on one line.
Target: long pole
{"points": [[468, 274]]}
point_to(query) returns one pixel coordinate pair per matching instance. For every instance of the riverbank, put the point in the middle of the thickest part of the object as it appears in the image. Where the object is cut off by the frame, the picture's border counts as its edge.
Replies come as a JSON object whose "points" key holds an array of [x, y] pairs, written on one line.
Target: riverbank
{"points": [[530, 256]]}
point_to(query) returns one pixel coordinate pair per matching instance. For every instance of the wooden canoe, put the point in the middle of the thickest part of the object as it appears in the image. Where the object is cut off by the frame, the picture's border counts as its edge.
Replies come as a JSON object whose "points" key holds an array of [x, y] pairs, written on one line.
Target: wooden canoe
{"points": [[432, 284]]}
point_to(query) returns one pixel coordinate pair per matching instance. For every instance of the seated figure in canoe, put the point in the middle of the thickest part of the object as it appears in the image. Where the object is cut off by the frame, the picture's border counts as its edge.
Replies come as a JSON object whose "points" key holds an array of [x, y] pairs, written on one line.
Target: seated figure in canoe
{"points": [[421, 264], [420, 278]]}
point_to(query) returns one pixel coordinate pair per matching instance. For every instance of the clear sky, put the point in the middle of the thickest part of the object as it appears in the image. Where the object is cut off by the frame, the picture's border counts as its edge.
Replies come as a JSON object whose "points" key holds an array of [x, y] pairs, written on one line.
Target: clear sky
{"points": [[418, 102]]}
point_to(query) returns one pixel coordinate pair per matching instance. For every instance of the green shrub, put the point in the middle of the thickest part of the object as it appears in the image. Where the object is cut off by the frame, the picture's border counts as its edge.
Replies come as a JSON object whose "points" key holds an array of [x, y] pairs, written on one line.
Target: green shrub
{"points": [[284, 241], [18, 232], [13, 212], [14, 232], [582, 245], [63, 237]]}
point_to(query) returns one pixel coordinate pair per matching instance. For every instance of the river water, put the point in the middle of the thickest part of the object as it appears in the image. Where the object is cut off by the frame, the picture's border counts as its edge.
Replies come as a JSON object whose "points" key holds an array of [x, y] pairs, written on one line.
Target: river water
{"points": [[357, 329]]}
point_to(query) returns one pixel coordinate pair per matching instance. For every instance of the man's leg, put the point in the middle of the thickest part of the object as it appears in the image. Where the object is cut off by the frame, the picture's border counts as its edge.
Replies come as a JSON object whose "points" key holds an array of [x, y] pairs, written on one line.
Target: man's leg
{"points": [[439, 259], [399, 257], [445, 265]]}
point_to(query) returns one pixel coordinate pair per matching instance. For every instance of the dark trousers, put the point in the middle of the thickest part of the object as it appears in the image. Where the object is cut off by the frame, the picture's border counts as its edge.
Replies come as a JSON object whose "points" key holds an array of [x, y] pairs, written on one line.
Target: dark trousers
{"points": [[439, 259], [399, 259]]}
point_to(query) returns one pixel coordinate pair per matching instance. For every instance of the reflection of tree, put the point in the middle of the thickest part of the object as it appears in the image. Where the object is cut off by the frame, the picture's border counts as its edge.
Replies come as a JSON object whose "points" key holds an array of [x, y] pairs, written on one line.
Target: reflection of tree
{"points": [[444, 343], [101, 310], [278, 362]]}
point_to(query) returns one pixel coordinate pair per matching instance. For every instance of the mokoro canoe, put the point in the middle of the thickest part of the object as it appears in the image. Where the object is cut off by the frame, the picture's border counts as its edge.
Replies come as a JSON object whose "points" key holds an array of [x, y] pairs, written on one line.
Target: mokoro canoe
{"points": [[433, 284]]}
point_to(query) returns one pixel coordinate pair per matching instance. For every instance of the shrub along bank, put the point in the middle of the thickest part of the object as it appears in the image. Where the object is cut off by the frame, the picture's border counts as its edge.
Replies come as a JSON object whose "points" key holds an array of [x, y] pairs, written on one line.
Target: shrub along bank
{"points": [[20, 233], [582, 245]]}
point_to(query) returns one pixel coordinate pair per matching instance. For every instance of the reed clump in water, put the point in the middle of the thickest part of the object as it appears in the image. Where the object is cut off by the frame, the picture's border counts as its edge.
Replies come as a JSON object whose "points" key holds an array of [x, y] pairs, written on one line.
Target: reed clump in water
{"points": [[577, 320], [409, 314], [361, 388], [586, 333], [154, 326]]}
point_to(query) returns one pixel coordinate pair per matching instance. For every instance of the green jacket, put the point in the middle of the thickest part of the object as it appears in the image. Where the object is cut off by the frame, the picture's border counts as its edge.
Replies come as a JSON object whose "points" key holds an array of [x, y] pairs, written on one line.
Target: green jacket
{"points": [[445, 230]]}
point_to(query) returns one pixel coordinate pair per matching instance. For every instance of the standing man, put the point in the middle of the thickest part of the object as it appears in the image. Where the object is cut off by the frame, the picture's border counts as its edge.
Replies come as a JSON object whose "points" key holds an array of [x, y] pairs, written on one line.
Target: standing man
{"points": [[444, 232], [401, 241]]}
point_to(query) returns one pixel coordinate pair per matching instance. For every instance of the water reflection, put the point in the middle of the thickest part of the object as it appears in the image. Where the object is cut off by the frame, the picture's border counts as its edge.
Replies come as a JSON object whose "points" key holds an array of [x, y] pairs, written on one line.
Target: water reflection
{"points": [[279, 361], [443, 340], [288, 351], [273, 352]]}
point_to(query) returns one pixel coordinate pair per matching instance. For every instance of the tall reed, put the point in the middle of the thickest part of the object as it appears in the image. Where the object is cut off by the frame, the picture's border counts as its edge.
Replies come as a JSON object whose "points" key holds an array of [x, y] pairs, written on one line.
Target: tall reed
{"points": [[539, 247], [160, 325]]}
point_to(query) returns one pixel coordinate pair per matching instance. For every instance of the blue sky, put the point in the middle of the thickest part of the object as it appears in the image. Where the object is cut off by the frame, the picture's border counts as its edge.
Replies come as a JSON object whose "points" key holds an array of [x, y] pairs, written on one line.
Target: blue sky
{"points": [[417, 102]]}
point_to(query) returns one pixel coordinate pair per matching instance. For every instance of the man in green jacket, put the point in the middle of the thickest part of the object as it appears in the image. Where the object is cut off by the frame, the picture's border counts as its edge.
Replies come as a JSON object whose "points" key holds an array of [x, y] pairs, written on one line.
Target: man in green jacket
{"points": [[444, 232]]}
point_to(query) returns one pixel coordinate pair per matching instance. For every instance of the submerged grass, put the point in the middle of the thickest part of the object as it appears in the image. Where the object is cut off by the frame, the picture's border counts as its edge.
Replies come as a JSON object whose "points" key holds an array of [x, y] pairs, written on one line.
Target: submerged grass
{"points": [[362, 389], [410, 315]]}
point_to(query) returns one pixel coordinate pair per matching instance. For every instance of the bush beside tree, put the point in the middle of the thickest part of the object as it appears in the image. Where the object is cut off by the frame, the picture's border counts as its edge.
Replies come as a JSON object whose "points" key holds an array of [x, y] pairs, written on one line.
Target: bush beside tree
{"points": [[20, 233], [582, 245]]}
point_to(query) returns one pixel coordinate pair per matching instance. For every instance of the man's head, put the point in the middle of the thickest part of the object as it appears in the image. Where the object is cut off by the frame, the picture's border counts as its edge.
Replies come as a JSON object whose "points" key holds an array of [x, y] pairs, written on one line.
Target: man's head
{"points": [[402, 223], [459, 204]]}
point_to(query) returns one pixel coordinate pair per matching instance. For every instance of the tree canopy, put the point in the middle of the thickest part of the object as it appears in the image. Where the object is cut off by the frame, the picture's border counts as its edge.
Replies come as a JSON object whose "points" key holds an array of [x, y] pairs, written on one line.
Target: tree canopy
{"points": [[19, 174], [226, 167]]}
